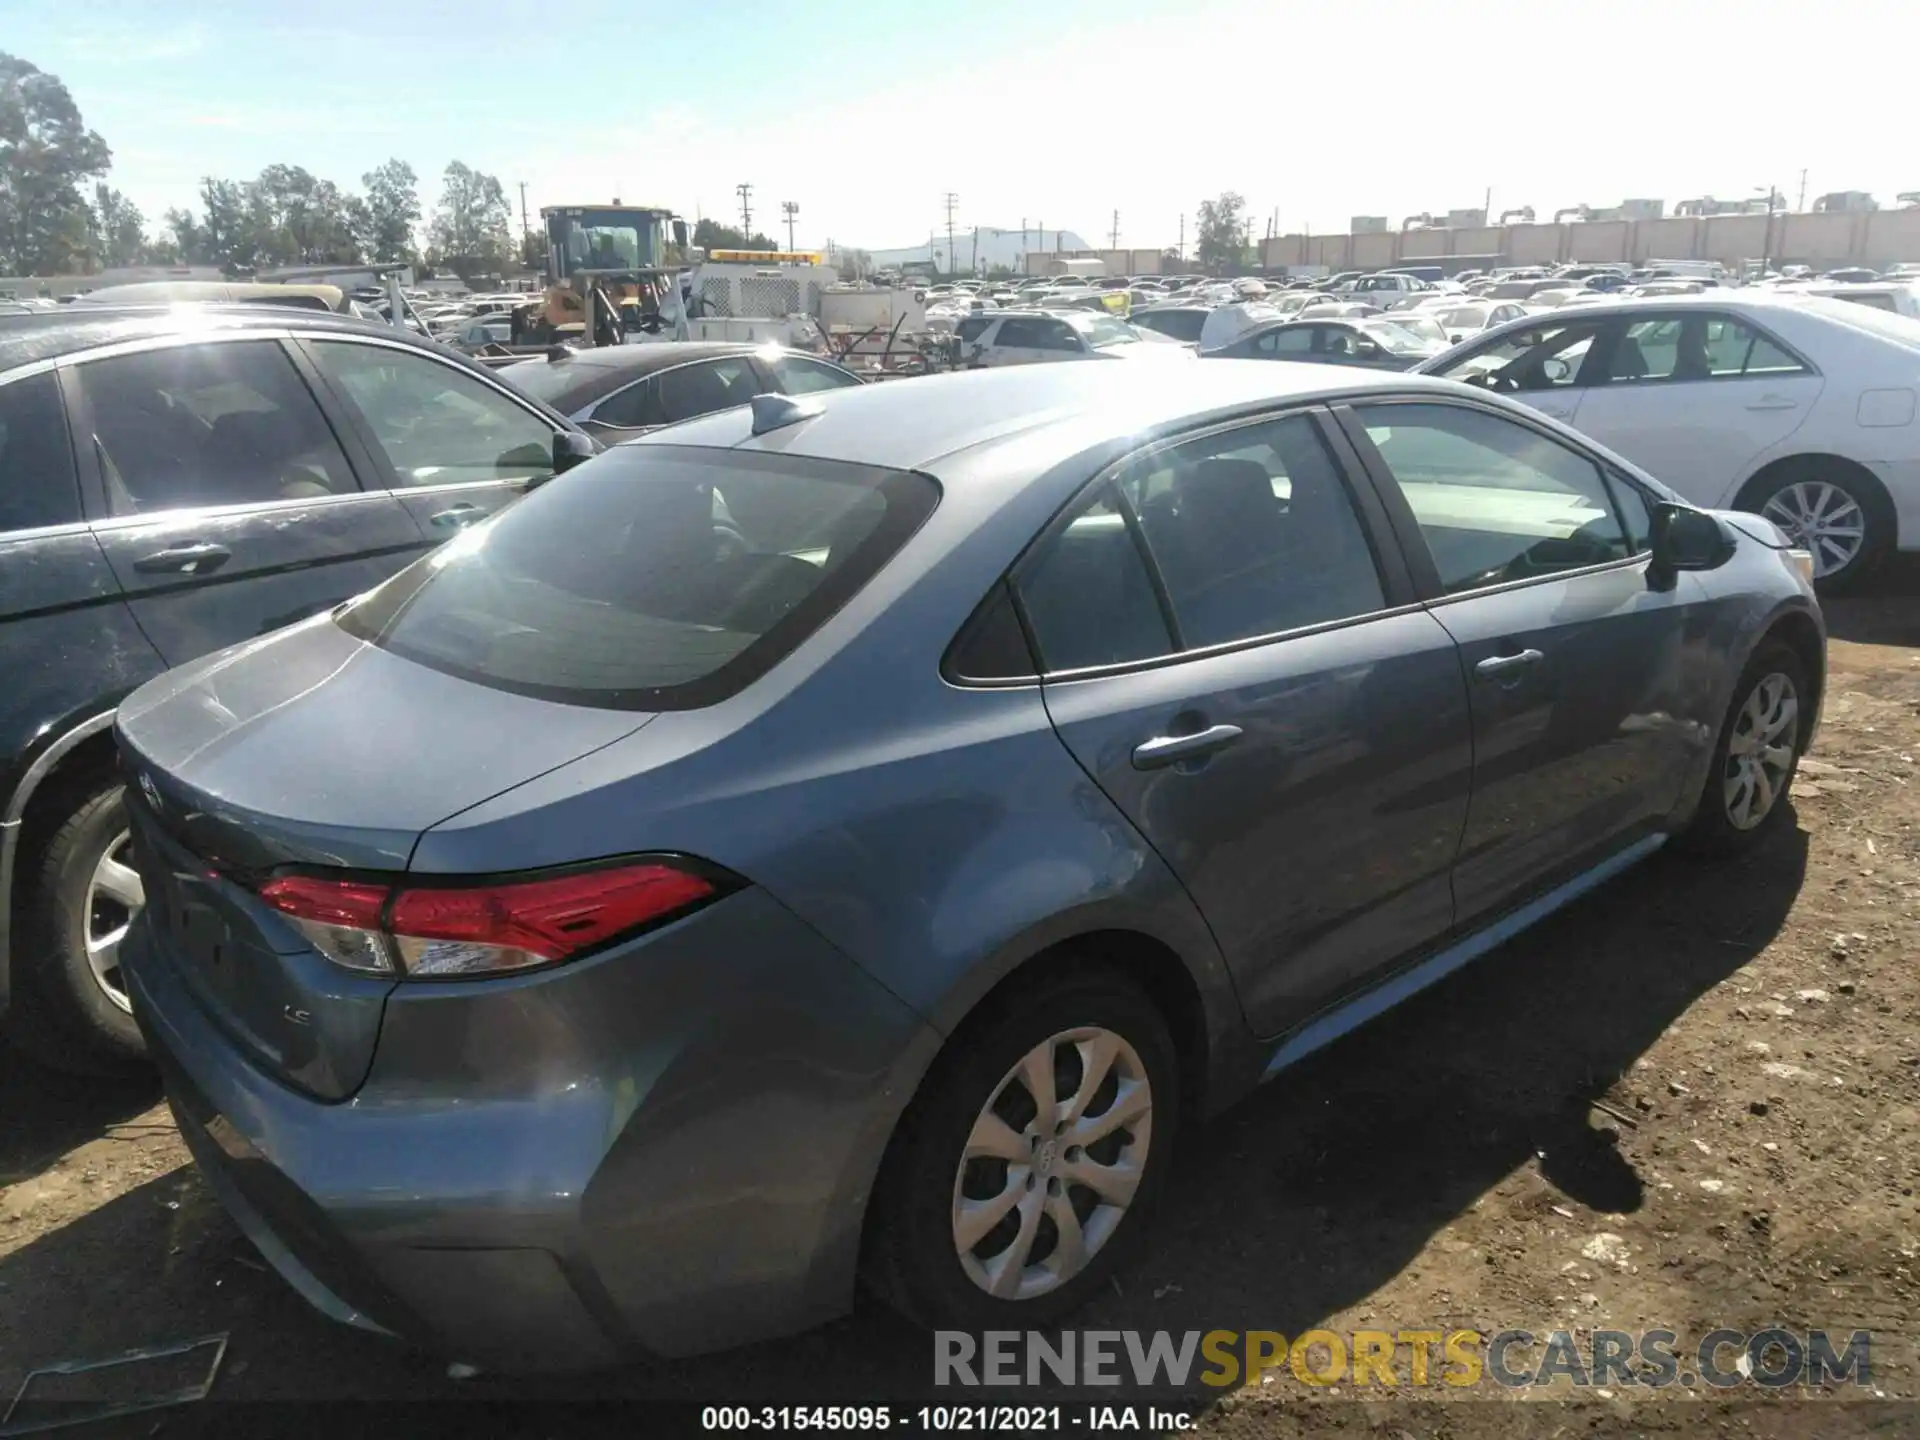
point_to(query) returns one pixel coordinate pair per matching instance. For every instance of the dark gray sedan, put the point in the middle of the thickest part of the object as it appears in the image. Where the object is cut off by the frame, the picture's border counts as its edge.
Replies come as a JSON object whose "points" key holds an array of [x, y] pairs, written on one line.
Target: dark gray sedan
{"points": [[1374, 343], [627, 926], [618, 391]]}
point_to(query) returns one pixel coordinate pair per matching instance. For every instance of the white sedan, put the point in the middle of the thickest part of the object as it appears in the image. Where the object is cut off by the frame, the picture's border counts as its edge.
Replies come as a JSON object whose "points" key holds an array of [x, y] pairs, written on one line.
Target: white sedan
{"points": [[1797, 408]]}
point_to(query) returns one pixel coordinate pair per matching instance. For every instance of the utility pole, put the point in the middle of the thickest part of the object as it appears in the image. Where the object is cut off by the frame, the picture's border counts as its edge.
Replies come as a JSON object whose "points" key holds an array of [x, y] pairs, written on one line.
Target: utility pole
{"points": [[744, 190], [1113, 237], [526, 232], [953, 264], [1801, 203], [789, 209], [1181, 249]]}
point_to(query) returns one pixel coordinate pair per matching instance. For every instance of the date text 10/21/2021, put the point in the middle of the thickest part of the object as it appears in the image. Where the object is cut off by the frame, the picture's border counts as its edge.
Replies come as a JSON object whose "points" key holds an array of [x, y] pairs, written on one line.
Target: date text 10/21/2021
{"points": [[944, 1419]]}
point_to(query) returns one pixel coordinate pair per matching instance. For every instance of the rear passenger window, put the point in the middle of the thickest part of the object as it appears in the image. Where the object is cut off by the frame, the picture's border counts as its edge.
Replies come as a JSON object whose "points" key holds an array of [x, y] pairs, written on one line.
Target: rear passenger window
{"points": [[36, 463], [226, 424], [1088, 596], [1254, 533]]}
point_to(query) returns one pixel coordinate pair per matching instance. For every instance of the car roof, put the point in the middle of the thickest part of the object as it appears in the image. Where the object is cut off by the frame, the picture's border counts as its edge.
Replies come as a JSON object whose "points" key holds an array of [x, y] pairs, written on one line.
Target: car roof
{"points": [[590, 374], [47, 334], [916, 423]]}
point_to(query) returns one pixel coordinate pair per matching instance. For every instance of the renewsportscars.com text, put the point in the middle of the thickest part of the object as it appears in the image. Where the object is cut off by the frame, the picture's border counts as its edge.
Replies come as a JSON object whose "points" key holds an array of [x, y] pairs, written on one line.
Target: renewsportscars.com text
{"points": [[1773, 1357]]}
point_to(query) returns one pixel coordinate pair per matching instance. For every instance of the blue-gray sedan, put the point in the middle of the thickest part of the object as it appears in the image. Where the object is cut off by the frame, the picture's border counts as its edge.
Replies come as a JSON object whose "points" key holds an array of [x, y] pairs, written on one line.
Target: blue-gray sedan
{"points": [[850, 836]]}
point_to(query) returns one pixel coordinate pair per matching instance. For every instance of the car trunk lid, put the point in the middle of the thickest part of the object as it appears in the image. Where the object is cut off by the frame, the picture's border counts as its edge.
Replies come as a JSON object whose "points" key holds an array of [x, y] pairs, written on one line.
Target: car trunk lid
{"points": [[311, 749]]}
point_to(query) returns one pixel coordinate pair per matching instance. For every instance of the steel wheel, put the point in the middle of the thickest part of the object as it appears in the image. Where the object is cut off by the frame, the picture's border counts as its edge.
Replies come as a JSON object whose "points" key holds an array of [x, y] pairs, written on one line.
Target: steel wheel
{"points": [[1821, 518], [1052, 1163], [1760, 751], [114, 897]]}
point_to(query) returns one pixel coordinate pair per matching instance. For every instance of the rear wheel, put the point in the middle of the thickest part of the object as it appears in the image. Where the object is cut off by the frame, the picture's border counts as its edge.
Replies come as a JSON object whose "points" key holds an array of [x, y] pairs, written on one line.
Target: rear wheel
{"points": [[1834, 512], [70, 1008], [1030, 1161], [1757, 754]]}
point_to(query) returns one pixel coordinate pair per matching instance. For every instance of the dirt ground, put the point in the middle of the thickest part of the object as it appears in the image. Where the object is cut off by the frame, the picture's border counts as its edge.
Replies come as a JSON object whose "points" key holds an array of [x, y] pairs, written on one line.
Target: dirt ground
{"points": [[1689, 1101]]}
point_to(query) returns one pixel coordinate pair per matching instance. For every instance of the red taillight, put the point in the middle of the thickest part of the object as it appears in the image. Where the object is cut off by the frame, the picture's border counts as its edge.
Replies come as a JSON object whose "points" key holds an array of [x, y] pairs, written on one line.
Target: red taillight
{"points": [[331, 902], [480, 929], [542, 920]]}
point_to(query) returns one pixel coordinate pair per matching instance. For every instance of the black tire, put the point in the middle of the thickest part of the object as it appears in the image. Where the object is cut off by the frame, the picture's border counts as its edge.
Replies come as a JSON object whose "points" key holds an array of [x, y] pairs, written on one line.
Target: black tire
{"points": [[1875, 507], [60, 1016], [912, 1261], [1713, 831]]}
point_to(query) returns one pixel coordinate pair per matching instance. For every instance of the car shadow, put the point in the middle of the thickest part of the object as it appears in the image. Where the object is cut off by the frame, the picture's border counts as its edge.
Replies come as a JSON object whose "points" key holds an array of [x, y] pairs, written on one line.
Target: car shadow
{"points": [[1884, 612], [44, 1114], [1294, 1206]]}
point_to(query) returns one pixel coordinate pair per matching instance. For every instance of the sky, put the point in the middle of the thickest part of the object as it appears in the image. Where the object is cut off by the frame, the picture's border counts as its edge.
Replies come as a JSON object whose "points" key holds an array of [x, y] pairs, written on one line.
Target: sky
{"points": [[1059, 113]]}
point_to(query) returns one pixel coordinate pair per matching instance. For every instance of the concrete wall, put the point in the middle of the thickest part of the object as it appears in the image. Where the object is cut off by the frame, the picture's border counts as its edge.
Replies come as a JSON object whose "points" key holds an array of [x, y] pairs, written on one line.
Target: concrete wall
{"points": [[1425, 244], [1532, 244], [1878, 238], [1374, 252], [1606, 241]]}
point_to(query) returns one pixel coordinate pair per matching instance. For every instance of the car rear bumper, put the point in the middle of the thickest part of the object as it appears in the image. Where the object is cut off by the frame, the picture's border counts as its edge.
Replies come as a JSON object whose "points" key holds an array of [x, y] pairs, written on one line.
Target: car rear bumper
{"points": [[663, 1149]]}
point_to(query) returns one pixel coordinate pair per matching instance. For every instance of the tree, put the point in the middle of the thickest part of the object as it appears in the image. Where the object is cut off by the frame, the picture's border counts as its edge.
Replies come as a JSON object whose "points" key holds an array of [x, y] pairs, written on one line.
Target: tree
{"points": [[472, 231], [226, 236], [1222, 240], [393, 209], [46, 151], [712, 235], [1172, 262], [855, 264], [185, 236], [118, 229], [299, 219]]}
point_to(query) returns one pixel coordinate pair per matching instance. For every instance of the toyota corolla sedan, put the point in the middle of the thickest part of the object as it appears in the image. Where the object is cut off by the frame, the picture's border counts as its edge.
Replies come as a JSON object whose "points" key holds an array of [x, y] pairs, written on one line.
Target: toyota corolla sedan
{"points": [[849, 837]]}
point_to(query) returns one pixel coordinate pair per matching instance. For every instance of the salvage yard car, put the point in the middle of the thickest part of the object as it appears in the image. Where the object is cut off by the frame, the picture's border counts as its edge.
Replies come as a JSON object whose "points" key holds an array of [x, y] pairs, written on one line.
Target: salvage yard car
{"points": [[617, 391], [1798, 408], [1029, 337], [171, 483], [1376, 343], [610, 937]]}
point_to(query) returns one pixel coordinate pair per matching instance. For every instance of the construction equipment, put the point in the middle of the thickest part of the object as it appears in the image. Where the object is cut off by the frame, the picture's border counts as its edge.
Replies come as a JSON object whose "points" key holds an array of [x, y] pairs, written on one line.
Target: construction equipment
{"points": [[612, 271]]}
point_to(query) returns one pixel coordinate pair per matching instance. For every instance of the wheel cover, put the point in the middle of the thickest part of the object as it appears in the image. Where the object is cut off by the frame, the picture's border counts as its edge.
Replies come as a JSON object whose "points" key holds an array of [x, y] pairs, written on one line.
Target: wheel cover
{"points": [[1821, 518], [1760, 751], [114, 897], [1052, 1163]]}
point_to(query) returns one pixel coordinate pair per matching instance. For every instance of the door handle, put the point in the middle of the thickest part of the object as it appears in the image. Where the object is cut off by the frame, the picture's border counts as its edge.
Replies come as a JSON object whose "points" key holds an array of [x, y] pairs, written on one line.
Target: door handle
{"points": [[184, 560], [1774, 402], [1495, 666], [460, 514], [1164, 750]]}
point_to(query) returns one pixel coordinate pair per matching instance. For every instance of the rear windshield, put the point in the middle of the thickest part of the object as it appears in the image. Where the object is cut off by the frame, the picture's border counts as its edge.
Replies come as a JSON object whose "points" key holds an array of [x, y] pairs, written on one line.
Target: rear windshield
{"points": [[543, 379], [654, 577]]}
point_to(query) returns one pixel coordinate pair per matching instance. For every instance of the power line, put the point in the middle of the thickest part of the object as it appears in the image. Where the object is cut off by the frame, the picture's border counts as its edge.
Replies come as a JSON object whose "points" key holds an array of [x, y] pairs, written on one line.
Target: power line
{"points": [[789, 209], [744, 191]]}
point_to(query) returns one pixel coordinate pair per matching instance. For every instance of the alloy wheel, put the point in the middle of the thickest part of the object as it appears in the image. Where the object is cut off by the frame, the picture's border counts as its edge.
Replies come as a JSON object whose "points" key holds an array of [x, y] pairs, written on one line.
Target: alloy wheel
{"points": [[1052, 1163], [114, 897], [1760, 751], [1823, 519]]}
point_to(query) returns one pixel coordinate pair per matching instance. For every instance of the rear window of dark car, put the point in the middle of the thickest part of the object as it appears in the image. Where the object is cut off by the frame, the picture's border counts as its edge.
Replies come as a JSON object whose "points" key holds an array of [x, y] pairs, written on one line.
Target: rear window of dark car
{"points": [[553, 381], [653, 578]]}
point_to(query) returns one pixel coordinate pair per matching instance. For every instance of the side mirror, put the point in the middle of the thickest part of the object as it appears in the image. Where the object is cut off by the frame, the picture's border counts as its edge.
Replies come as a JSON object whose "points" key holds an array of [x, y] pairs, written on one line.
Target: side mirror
{"points": [[1687, 539], [571, 448]]}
